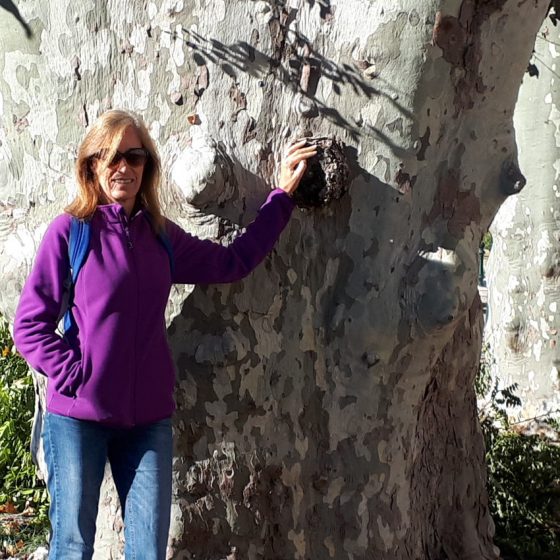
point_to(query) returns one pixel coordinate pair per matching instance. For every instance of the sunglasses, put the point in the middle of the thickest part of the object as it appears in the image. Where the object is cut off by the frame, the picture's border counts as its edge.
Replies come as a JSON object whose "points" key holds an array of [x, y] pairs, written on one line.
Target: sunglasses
{"points": [[135, 157]]}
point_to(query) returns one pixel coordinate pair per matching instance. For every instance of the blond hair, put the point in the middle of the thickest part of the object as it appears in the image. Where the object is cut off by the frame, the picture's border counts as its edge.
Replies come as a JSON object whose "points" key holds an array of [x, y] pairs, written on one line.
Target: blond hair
{"points": [[104, 137]]}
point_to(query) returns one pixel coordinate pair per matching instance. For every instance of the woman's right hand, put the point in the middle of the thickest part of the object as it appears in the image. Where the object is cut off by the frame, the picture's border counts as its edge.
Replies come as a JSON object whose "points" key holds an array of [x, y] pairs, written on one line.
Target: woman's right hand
{"points": [[294, 164]]}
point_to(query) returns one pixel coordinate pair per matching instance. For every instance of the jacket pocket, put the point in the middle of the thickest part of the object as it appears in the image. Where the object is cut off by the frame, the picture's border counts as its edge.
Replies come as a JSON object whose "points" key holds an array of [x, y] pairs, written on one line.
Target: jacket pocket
{"points": [[70, 385]]}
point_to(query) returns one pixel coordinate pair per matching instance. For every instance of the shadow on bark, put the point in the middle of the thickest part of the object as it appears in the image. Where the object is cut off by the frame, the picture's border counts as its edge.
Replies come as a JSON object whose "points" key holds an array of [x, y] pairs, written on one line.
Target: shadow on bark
{"points": [[235, 448], [10, 7], [326, 10], [306, 67]]}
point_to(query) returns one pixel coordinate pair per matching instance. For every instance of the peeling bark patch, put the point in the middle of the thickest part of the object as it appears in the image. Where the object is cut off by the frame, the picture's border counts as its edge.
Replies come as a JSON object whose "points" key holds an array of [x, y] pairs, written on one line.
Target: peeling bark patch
{"points": [[255, 37], [310, 74], [277, 27], [20, 124], [201, 80], [127, 48], [239, 99], [460, 40], [424, 144], [449, 36], [176, 98], [458, 208], [404, 181], [396, 125], [250, 131], [367, 68], [413, 18], [266, 162]]}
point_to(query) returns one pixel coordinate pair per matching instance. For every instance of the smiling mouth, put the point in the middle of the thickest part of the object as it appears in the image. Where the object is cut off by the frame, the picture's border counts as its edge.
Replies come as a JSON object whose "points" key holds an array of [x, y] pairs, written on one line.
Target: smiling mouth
{"points": [[122, 181]]}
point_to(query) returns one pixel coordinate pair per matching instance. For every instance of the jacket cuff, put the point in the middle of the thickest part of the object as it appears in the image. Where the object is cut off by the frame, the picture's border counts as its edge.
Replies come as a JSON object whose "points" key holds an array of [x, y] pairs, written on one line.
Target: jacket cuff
{"points": [[283, 194]]}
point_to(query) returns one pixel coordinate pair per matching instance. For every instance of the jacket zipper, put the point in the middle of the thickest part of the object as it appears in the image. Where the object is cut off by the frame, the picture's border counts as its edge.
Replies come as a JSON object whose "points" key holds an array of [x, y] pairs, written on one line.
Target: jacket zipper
{"points": [[130, 245], [124, 223]]}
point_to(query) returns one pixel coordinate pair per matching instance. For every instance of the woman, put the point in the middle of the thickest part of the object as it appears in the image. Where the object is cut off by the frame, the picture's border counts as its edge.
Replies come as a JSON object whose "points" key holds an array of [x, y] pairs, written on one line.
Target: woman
{"points": [[111, 377]]}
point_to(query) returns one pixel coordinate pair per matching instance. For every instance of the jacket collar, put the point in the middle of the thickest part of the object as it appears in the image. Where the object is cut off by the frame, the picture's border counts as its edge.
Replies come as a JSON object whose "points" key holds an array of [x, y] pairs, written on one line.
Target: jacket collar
{"points": [[114, 212]]}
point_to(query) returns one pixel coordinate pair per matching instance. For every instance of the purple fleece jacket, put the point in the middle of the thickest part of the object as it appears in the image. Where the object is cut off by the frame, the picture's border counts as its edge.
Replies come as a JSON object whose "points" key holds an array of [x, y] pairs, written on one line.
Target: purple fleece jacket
{"points": [[118, 369]]}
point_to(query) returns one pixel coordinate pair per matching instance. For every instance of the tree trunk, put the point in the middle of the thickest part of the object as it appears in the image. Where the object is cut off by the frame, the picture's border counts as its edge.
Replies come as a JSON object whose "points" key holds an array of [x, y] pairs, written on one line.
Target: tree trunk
{"points": [[524, 263], [325, 404]]}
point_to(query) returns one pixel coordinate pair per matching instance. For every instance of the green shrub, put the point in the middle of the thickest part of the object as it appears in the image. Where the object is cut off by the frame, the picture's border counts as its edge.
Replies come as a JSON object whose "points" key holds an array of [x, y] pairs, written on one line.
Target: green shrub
{"points": [[487, 241], [524, 489], [523, 476], [20, 486]]}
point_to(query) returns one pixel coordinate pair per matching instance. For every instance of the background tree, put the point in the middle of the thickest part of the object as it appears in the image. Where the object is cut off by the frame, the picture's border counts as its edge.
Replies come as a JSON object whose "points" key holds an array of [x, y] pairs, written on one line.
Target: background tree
{"points": [[326, 403], [524, 264]]}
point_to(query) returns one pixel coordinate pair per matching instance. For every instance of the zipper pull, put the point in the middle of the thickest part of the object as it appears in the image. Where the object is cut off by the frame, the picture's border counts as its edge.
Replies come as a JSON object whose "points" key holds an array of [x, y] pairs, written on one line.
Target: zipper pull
{"points": [[128, 239], [124, 223]]}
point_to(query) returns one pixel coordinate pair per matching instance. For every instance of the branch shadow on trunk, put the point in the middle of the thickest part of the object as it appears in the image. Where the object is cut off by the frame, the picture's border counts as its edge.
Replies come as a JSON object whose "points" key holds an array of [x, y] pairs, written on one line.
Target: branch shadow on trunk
{"points": [[306, 68], [10, 7]]}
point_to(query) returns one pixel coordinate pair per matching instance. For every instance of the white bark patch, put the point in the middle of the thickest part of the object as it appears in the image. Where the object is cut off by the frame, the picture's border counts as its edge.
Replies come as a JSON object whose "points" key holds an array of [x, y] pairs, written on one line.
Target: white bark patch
{"points": [[544, 329], [138, 38], [6, 187], [540, 296], [507, 216], [152, 10], [96, 51], [537, 348], [41, 117], [544, 245], [298, 539], [291, 478], [263, 12], [302, 446], [307, 342], [351, 28], [386, 533], [219, 10], [329, 544], [176, 46], [22, 246]]}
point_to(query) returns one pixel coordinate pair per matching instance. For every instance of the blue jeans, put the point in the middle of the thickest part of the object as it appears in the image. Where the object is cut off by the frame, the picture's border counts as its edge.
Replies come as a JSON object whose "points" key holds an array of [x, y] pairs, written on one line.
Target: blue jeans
{"points": [[140, 459]]}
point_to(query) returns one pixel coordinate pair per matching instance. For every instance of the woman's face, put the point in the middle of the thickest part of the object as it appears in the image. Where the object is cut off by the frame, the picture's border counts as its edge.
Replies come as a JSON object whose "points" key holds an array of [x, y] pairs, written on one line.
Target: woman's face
{"points": [[121, 180]]}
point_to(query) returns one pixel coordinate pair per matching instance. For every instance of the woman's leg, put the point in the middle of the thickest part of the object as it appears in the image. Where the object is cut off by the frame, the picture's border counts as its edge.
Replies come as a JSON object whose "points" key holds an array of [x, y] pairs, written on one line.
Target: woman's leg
{"points": [[75, 453], [141, 459]]}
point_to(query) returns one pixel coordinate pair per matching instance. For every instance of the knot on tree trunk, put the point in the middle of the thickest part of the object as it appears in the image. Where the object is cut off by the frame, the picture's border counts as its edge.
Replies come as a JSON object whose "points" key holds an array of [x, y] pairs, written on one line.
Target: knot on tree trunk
{"points": [[326, 177], [203, 172], [511, 178]]}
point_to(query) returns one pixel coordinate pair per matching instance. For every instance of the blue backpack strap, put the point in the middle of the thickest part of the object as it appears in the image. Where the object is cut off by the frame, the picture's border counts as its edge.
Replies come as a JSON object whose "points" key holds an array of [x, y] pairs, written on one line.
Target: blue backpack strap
{"points": [[166, 242], [163, 238], [78, 248]]}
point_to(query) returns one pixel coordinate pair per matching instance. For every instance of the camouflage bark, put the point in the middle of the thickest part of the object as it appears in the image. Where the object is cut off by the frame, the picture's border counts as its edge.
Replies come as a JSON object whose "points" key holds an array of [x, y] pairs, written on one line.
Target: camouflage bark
{"points": [[524, 264], [325, 404]]}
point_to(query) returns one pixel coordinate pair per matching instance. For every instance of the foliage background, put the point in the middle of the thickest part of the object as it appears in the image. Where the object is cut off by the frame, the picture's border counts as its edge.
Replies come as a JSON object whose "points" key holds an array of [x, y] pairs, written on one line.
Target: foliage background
{"points": [[523, 473], [23, 496]]}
